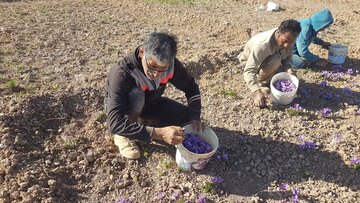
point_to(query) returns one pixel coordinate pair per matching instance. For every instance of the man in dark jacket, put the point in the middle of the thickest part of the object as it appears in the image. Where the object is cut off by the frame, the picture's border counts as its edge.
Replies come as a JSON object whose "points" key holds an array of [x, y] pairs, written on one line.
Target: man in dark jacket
{"points": [[134, 89], [310, 27]]}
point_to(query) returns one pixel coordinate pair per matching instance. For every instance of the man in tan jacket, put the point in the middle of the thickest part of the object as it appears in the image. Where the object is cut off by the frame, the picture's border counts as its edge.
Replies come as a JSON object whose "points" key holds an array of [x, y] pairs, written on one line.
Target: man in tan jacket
{"points": [[267, 53]]}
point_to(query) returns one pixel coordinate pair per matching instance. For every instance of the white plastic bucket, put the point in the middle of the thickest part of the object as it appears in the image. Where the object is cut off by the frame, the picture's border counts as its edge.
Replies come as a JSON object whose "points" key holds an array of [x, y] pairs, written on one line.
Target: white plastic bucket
{"points": [[337, 53], [187, 159], [279, 97]]}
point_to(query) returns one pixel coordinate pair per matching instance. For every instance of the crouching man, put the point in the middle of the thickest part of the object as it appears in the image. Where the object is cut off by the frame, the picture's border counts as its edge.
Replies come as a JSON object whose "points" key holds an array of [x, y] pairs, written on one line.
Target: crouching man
{"points": [[266, 54], [134, 89]]}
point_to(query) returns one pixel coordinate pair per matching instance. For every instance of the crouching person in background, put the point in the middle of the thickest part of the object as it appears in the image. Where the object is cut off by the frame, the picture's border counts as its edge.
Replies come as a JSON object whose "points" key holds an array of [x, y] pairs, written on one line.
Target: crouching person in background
{"points": [[265, 54]]}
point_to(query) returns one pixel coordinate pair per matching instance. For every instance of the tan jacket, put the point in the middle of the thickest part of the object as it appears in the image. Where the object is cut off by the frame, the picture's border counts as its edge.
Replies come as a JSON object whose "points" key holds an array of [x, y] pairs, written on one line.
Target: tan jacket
{"points": [[257, 49]]}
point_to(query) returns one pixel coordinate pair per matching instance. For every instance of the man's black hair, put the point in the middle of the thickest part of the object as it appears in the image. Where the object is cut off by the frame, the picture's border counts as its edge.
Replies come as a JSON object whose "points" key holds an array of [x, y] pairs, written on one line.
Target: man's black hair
{"points": [[161, 45], [292, 26]]}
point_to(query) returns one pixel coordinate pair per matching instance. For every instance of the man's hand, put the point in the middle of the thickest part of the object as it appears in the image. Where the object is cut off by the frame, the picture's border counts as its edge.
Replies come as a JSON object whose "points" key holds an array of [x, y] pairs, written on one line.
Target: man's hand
{"points": [[322, 62], [259, 99], [197, 125], [171, 134], [326, 45]]}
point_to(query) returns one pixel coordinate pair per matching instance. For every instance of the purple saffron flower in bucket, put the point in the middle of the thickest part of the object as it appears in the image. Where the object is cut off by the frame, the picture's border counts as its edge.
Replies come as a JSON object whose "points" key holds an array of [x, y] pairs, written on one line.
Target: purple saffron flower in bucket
{"points": [[217, 180], [196, 144], [284, 85], [326, 112], [202, 199]]}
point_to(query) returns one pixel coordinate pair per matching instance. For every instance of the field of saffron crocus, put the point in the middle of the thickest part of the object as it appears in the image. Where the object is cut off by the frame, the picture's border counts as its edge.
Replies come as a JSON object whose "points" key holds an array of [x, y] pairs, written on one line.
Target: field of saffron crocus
{"points": [[54, 143]]}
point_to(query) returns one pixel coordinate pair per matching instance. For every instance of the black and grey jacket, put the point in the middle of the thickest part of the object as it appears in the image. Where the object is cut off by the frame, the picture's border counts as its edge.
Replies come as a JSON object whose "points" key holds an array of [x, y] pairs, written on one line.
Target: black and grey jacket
{"points": [[129, 73]]}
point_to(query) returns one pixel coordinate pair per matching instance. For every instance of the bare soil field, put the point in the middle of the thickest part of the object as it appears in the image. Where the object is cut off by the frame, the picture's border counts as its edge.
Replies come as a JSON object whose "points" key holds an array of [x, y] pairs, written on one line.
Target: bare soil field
{"points": [[54, 143]]}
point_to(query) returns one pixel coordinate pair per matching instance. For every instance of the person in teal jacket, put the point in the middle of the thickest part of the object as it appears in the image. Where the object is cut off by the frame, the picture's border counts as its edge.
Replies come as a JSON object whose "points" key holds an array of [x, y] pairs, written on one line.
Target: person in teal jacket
{"points": [[310, 27]]}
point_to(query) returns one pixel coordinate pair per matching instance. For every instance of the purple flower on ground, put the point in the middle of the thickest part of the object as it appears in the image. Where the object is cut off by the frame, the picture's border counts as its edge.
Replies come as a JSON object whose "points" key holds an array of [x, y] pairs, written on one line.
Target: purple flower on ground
{"points": [[323, 83], [347, 90], [284, 85], [218, 157], [284, 187], [325, 112], [295, 195], [355, 160], [225, 156], [196, 144], [217, 180], [175, 195], [297, 107], [161, 195], [326, 73], [304, 144], [117, 180], [123, 200], [202, 199], [308, 145], [350, 71]]}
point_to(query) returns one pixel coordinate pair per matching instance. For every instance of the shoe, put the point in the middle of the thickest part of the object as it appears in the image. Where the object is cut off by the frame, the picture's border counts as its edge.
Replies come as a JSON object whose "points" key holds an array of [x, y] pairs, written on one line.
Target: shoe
{"points": [[127, 148]]}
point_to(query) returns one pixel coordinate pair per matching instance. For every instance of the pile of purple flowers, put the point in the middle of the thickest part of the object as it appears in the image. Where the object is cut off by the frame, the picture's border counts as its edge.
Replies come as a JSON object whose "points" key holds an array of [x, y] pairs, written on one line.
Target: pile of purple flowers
{"points": [[194, 143], [284, 85]]}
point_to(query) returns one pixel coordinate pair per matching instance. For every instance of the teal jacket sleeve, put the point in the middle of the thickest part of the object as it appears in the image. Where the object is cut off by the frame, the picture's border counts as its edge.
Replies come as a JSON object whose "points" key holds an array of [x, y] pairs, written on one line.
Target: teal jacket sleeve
{"points": [[303, 42]]}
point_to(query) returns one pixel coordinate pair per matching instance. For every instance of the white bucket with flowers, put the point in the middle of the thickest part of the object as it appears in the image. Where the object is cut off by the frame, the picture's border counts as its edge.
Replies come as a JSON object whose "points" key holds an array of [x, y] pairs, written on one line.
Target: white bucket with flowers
{"points": [[197, 148], [283, 88]]}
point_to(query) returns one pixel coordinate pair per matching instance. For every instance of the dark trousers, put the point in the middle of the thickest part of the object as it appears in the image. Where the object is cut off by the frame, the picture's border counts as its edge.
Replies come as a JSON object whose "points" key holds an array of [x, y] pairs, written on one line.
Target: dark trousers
{"points": [[159, 113]]}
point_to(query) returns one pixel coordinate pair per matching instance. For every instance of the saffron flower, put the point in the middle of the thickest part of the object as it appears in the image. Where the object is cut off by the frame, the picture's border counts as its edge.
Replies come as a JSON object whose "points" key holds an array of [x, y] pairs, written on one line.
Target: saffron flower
{"points": [[355, 160], [175, 195], [217, 180], [295, 196], [123, 200], [284, 85], [196, 144], [117, 180], [305, 144], [297, 107], [350, 71], [325, 112], [202, 199], [283, 187]]}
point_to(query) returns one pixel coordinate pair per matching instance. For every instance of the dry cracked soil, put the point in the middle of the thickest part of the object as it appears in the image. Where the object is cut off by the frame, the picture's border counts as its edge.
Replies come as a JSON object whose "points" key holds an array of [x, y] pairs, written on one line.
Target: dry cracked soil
{"points": [[55, 147]]}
